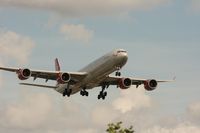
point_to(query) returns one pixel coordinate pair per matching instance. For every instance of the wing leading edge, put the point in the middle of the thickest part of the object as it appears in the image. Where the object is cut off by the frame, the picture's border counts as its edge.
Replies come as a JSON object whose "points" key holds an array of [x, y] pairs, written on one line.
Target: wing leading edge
{"points": [[114, 80], [47, 75]]}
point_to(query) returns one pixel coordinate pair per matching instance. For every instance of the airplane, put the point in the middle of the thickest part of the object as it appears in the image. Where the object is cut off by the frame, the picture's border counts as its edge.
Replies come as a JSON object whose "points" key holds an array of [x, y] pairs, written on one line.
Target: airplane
{"points": [[96, 74]]}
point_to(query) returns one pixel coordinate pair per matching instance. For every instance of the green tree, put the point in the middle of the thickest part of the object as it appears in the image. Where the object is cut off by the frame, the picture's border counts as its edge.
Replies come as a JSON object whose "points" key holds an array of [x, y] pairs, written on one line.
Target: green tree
{"points": [[117, 128]]}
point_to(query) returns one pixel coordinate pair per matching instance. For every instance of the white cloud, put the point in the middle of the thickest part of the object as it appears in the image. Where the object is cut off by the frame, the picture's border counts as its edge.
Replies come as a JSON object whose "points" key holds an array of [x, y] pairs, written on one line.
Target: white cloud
{"points": [[15, 46], [90, 130], [128, 108], [76, 8], [31, 112], [180, 128], [193, 112], [104, 114], [58, 115], [76, 32], [1, 80], [194, 109], [195, 5], [39, 111], [132, 99]]}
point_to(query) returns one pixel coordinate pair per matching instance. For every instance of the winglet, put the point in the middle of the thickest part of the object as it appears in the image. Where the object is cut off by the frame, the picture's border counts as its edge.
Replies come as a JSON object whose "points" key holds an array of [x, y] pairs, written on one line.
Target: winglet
{"points": [[57, 65]]}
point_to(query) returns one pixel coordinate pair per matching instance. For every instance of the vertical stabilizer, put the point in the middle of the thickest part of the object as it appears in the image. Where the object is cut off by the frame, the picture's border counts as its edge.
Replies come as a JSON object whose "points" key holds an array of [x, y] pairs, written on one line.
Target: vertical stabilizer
{"points": [[57, 65]]}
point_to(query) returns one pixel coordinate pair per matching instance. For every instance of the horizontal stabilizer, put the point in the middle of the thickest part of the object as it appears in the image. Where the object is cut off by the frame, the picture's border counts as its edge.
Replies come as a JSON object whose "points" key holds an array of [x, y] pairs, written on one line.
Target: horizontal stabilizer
{"points": [[38, 85]]}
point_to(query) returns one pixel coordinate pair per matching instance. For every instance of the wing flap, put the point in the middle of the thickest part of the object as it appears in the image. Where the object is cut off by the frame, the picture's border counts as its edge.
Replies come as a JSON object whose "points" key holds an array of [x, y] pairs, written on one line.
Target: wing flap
{"points": [[38, 85], [52, 75]]}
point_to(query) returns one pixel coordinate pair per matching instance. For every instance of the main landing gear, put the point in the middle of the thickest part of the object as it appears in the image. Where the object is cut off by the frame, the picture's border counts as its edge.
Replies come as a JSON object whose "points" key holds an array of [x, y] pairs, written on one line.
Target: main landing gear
{"points": [[102, 93], [84, 92], [67, 92]]}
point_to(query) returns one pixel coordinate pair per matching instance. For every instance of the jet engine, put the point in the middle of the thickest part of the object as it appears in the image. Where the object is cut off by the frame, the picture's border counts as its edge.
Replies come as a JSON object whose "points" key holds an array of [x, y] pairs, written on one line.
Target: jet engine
{"points": [[125, 83], [150, 84], [24, 74], [63, 78]]}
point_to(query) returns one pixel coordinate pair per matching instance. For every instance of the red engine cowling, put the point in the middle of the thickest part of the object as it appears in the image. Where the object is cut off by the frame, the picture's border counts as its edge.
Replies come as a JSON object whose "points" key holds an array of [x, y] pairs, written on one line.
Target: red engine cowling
{"points": [[125, 83], [24, 74], [63, 78], [150, 84]]}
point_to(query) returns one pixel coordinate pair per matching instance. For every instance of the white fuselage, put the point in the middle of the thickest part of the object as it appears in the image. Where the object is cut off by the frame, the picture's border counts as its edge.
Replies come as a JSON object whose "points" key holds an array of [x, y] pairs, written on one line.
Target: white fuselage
{"points": [[98, 70]]}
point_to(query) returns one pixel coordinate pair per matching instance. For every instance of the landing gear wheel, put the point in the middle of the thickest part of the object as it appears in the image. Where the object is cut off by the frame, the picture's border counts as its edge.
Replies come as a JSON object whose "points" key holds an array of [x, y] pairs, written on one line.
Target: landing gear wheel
{"points": [[118, 74], [99, 97], [105, 94], [84, 93], [64, 94], [67, 92], [81, 93], [102, 94], [103, 97]]}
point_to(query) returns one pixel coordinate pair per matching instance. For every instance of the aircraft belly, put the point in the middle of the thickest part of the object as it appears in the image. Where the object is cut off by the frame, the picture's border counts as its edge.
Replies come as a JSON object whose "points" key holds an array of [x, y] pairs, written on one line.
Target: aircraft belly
{"points": [[96, 77]]}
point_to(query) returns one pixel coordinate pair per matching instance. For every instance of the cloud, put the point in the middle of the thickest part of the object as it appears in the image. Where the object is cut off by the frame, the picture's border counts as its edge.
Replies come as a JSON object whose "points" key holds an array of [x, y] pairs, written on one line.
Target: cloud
{"points": [[30, 112], [1, 80], [129, 100], [40, 112], [76, 8], [104, 114], [193, 112], [128, 108], [194, 109], [195, 5], [15, 46], [180, 128], [90, 130], [186, 123], [76, 32]]}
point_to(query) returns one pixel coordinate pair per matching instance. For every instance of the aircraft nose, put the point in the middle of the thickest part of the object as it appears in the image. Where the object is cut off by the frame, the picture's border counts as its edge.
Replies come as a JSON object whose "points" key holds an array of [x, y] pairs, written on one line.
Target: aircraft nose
{"points": [[124, 56]]}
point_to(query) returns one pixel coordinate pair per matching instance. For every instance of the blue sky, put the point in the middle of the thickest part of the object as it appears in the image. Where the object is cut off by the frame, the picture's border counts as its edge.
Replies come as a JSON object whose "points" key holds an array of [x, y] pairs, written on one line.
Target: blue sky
{"points": [[162, 39]]}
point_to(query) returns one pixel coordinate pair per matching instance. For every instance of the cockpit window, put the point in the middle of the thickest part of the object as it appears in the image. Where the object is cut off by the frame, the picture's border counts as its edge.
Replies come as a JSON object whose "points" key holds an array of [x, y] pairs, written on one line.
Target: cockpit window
{"points": [[121, 51]]}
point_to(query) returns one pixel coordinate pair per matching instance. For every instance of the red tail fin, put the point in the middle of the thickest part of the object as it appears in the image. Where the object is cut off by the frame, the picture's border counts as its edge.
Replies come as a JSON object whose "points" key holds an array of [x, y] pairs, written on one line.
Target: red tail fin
{"points": [[57, 66]]}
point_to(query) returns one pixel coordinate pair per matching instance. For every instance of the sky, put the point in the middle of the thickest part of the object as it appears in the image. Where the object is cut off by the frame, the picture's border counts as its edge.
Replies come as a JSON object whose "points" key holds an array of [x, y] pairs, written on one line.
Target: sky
{"points": [[162, 40]]}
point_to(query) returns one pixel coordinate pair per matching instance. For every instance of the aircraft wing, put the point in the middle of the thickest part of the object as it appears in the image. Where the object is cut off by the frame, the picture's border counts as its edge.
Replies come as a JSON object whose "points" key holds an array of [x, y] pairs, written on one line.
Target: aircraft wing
{"points": [[38, 85], [114, 80], [48, 75]]}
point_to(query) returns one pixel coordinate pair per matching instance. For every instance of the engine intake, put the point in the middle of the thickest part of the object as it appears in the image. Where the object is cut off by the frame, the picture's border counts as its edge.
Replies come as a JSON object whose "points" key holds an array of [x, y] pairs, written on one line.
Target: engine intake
{"points": [[150, 85], [125, 83], [24, 74], [63, 78]]}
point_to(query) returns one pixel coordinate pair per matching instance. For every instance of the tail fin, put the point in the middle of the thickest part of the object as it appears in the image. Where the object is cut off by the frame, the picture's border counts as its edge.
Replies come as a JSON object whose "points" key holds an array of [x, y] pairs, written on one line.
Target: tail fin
{"points": [[57, 66]]}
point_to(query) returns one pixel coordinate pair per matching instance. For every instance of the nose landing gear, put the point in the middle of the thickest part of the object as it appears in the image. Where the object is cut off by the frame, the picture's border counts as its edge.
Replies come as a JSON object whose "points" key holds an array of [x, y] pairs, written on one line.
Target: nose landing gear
{"points": [[118, 73]]}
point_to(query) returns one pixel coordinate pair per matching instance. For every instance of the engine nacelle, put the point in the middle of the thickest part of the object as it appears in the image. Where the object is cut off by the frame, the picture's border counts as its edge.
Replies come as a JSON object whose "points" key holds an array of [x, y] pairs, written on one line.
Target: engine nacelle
{"points": [[150, 84], [125, 83], [63, 78], [24, 74]]}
